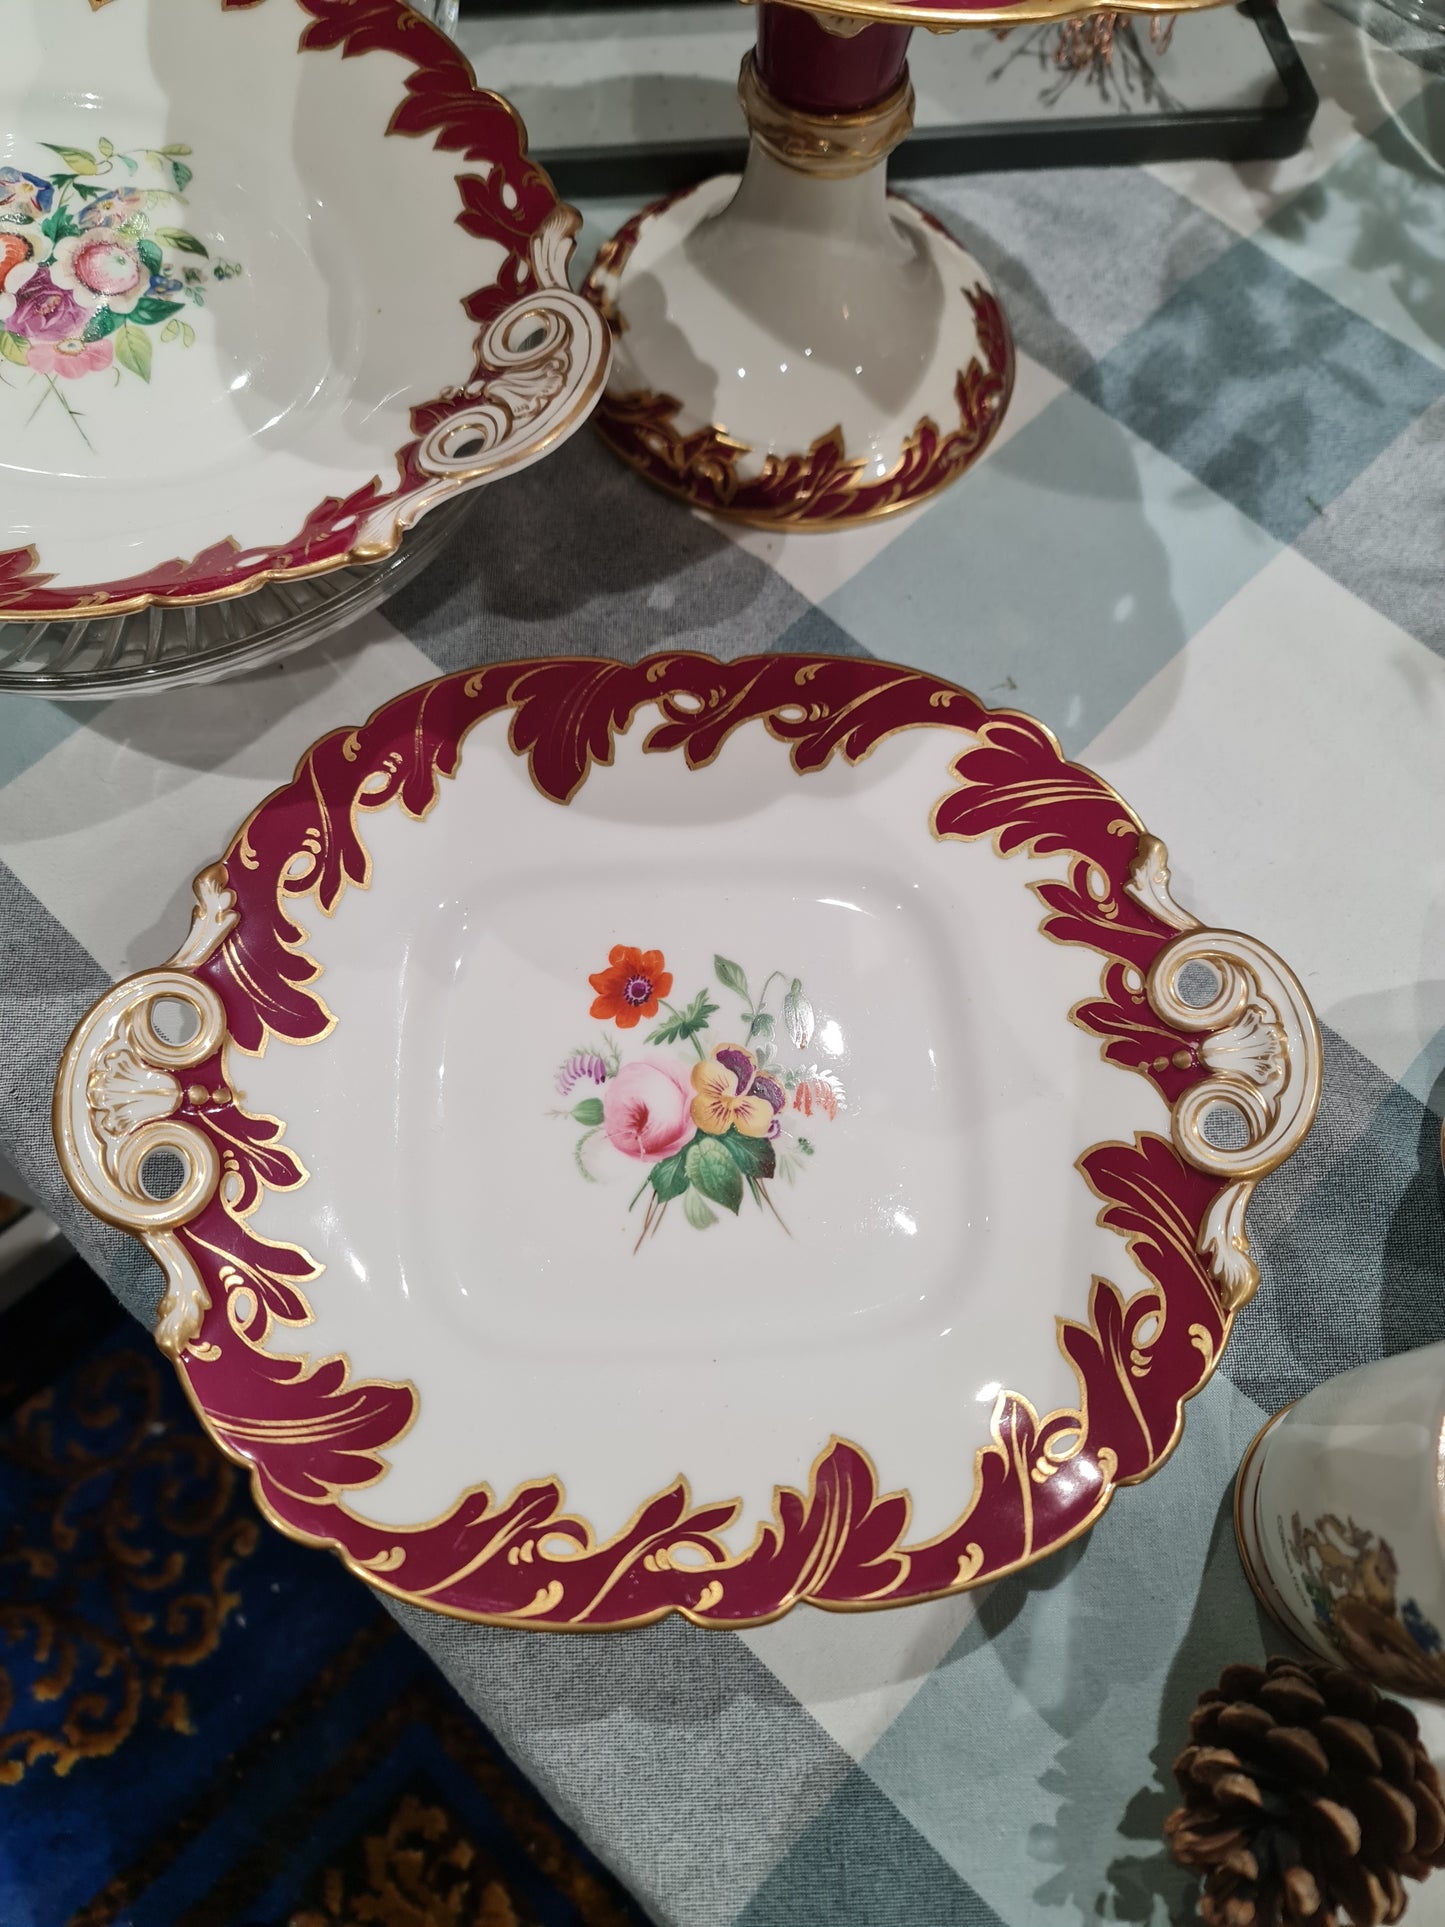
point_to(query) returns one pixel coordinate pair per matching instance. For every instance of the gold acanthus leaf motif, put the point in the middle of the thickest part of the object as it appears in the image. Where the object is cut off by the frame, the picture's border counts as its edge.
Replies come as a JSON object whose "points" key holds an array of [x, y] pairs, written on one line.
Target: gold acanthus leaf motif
{"points": [[213, 917], [1253, 1048], [124, 1093]]}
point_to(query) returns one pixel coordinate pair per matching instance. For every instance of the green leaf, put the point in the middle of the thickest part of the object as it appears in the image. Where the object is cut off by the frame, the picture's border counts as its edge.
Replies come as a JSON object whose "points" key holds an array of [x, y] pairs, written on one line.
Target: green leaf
{"points": [[754, 1156], [714, 1173], [730, 976], [75, 158], [179, 237], [102, 323], [805, 1147], [126, 162], [188, 335], [133, 349], [589, 1111], [687, 1023], [696, 1211], [150, 309], [150, 255], [175, 147], [761, 1026], [107, 149], [183, 174], [669, 1176], [578, 1159], [12, 347]]}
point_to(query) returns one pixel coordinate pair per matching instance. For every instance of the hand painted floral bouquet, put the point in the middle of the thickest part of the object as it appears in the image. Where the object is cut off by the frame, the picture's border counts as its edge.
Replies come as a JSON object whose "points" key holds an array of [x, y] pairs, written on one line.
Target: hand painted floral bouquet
{"points": [[89, 263], [711, 1129]]}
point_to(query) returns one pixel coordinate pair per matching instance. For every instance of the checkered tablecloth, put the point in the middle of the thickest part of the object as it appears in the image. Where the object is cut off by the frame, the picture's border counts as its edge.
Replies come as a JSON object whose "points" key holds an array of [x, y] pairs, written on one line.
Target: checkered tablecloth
{"points": [[1209, 549]]}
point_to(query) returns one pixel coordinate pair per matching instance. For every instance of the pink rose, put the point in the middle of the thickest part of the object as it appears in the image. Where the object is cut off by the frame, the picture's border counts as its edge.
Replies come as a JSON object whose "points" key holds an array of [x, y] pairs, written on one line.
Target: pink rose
{"points": [[70, 359], [101, 266], [44, 312], [647, 1109]]}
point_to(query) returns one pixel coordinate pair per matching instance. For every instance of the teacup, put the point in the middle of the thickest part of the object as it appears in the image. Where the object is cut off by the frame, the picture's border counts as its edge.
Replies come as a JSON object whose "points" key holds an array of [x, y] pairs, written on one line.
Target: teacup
{"points": [[1339, 1510]]}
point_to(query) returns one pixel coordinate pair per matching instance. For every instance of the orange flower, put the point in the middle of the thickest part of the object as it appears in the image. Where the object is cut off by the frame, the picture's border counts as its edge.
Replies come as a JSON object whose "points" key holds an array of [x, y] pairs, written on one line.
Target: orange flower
{"points": [[13, 250], [631, 985]]}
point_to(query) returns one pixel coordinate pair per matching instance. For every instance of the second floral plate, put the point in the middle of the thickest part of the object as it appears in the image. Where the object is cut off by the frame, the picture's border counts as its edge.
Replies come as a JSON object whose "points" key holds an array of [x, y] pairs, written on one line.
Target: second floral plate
{"points": [[686, 1136], [237, 347]]}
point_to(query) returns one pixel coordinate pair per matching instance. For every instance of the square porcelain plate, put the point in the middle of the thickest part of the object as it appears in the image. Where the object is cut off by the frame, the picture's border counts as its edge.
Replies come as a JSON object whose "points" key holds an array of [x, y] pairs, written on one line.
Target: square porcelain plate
{"points": [[691, 1136], [276, 276]]}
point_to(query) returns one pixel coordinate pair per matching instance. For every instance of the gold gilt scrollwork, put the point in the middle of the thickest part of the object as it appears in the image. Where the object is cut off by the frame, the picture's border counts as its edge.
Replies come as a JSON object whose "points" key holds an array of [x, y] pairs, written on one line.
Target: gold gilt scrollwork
{"points": [[1261, 1048], [544, 360], [831, 146], [116, 1096]]}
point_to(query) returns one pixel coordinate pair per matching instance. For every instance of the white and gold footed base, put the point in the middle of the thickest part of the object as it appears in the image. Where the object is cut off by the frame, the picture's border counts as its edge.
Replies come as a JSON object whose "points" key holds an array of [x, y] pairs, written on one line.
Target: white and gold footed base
{"points": [[796, 347], [1248, 1538]]}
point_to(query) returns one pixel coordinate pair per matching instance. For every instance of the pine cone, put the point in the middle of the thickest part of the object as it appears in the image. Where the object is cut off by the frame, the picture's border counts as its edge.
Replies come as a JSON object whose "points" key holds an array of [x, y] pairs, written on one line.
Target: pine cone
{"points": [[1307, 1797]]}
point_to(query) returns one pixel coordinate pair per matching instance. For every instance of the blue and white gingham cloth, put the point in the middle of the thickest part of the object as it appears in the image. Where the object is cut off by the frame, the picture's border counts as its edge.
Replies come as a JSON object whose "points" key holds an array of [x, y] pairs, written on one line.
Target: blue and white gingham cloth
{"points": [[1210, 551]]}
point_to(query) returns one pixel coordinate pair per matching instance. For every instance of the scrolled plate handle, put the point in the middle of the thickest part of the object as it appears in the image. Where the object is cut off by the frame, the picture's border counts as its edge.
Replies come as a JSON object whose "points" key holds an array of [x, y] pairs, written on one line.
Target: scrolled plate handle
{"points": [[115, 1096], [1262, 1052], [115, 1099], [546, 357]]}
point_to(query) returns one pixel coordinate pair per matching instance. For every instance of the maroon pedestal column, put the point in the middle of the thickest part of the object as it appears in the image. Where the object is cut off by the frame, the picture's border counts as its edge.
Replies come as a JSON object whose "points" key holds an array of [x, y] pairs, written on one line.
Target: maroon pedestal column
{"points": [[805, 66]]}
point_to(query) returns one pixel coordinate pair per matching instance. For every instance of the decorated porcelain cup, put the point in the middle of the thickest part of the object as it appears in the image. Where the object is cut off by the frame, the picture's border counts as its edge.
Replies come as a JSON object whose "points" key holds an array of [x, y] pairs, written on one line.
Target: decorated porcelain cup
{"points": [[1339, 1510]]}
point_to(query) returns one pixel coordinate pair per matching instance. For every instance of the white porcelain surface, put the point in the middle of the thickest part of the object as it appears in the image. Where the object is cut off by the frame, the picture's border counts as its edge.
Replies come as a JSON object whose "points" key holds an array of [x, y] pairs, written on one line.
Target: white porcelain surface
{"points": [[330, 269], [778, 306], [936, 1232]]}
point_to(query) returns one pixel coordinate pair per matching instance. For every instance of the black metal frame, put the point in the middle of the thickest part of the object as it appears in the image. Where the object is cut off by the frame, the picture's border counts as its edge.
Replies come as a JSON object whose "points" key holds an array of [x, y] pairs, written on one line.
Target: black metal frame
{"points": [[1268, 132]]}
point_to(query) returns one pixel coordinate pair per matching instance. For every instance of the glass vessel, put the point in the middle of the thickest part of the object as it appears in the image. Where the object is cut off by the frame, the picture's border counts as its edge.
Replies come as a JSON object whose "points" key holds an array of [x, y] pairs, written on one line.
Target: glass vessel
{"points": [[443, 12]]}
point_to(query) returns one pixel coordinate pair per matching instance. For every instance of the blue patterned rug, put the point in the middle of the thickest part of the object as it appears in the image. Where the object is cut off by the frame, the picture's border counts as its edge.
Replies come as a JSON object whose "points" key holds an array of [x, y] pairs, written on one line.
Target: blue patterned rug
{"points": [[202, 1724]]}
